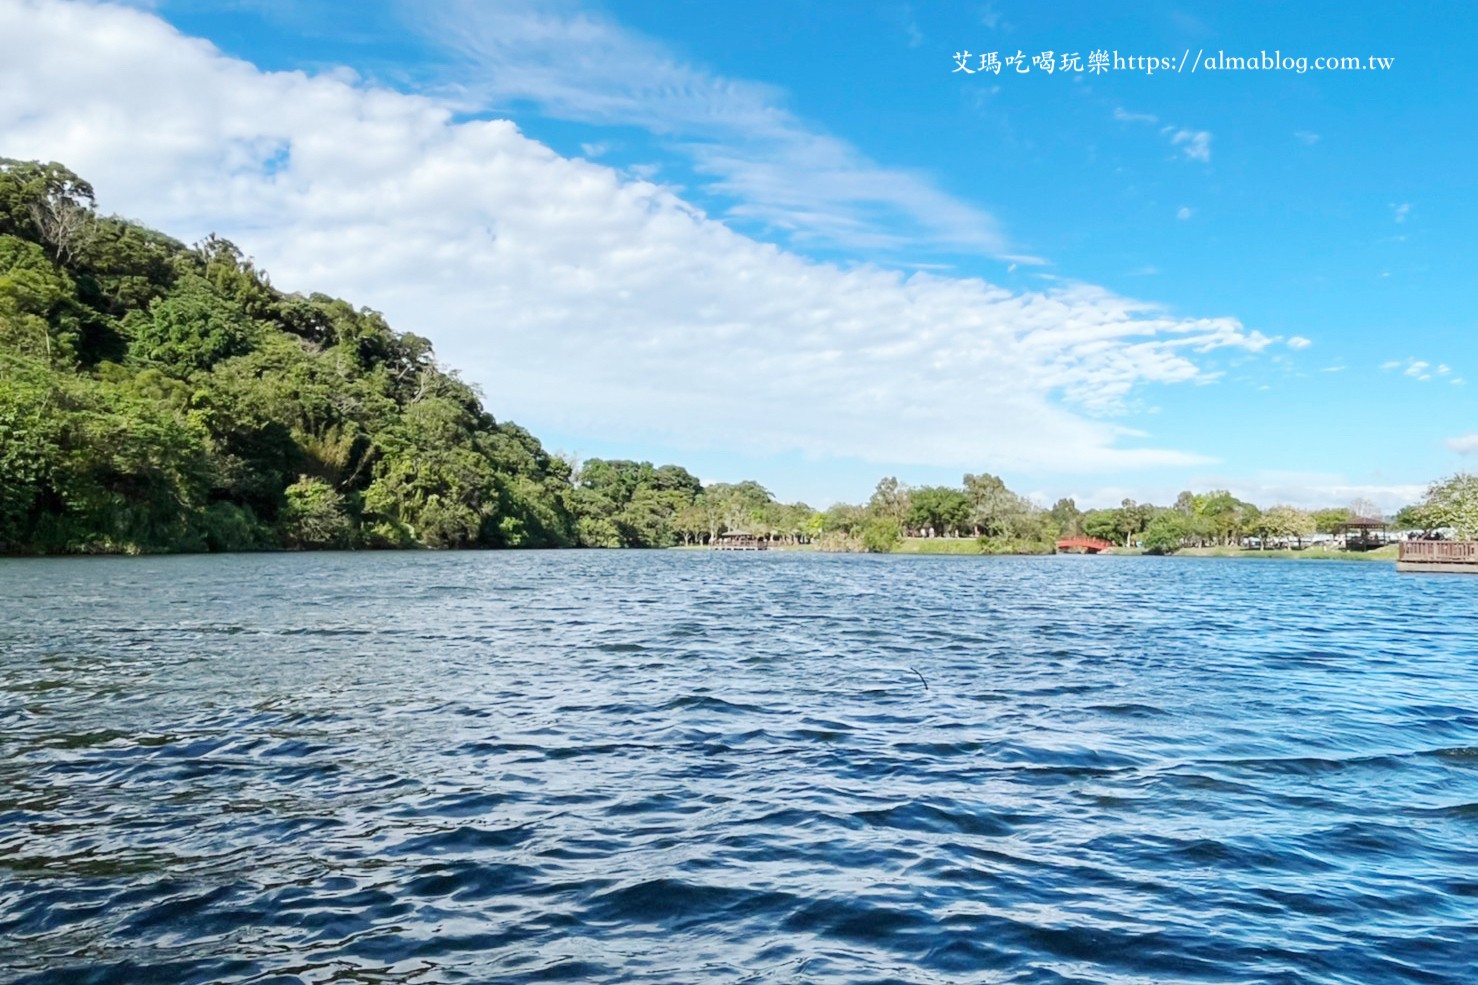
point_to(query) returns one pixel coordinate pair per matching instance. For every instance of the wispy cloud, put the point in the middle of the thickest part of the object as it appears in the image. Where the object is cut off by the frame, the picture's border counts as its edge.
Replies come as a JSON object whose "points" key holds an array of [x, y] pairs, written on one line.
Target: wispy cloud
{"points": [[1400, 212], [1466, 444], [1307, 490], [1194, 144], [1125, 116], [1421, 370], [1184, 212], [912, 33], [1306, 137], [1299, 342], [776, 168]]}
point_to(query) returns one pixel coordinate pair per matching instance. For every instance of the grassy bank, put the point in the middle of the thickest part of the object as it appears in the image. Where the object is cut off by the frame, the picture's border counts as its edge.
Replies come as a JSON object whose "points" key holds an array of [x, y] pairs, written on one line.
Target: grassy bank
{"points": [[970, 547], [937, 545]]}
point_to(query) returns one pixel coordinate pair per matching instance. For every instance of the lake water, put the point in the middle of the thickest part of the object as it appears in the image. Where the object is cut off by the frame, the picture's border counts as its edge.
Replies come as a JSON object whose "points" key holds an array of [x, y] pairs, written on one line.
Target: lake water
{"points": [[684, 767]]}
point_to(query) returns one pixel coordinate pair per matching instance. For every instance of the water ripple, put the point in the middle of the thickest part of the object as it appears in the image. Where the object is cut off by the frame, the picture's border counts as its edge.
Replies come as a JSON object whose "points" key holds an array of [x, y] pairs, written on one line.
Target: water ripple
{"points": [[668, 766]]}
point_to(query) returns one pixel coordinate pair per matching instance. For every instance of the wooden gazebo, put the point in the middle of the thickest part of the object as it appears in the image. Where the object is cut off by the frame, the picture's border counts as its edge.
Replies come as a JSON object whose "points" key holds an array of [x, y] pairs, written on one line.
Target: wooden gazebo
{"points": [[738, 540]]}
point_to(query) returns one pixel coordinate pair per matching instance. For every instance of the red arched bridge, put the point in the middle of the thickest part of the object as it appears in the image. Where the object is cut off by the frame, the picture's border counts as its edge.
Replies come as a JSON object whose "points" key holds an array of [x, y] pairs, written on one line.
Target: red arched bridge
{"points": [[1088, 545]]}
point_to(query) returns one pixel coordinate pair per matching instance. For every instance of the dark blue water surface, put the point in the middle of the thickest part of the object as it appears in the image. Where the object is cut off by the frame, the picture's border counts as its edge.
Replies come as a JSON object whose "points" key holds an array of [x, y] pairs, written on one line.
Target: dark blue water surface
{"points": [[683, 767]]}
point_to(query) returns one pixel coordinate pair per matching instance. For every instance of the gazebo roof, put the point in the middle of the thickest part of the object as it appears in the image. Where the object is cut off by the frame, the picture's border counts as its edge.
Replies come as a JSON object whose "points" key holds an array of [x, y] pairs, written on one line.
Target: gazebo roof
{"points": [[1366, 522]]}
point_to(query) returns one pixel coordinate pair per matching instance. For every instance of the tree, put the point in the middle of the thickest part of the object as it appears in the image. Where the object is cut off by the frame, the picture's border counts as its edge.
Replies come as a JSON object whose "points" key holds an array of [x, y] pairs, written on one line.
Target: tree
{"points": [[992, 505], [1131, 518], [890, 501], [193, 328], [1102, 524], [1067, 517], [1226, 517], [939, 509], [1287, 522], [314, 516], [46, 202], [1329, 521], [1453, 502], [1165, 534], [880, 535], [39, 312]]}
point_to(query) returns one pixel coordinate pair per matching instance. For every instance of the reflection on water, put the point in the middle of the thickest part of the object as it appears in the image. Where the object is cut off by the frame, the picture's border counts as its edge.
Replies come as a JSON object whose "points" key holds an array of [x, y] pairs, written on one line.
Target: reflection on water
{"points": [[686, 766]]}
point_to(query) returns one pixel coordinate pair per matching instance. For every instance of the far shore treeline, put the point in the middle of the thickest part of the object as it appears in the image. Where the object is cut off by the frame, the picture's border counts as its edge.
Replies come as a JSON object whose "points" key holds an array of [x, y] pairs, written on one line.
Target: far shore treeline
{"points": [[156, 397]]}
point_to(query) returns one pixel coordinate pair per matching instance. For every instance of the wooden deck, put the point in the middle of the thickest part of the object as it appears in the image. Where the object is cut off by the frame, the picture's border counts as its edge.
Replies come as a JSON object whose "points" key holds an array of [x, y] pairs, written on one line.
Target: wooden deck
{"points": [[1459, 556]]}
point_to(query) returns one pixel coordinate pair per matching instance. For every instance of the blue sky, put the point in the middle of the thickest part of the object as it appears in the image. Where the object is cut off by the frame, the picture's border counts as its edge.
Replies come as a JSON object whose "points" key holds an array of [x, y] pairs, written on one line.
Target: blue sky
{"points": [[789, 241]]}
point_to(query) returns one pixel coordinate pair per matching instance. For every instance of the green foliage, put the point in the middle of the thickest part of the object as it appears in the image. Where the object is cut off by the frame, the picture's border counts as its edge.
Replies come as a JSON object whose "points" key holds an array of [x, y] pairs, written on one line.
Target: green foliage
{"points": [[38, 306], [155, 397], [620, 503], [1165, 534], [1329, 521], [192, 328], [939, 509], [1103, 524], [891, 500], [1453, 502], [881, 535], [314, 515], [1067, 518], [1284, 522]]}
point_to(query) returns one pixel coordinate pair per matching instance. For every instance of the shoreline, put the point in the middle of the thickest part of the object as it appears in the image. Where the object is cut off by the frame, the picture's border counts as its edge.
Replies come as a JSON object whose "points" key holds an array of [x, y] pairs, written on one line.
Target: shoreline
{"points": [[912, 547]]}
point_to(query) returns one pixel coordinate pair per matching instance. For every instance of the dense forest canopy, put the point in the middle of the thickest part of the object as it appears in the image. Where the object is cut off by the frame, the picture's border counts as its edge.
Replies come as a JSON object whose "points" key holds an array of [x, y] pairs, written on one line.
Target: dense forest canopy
{"points": [[162, 397]]}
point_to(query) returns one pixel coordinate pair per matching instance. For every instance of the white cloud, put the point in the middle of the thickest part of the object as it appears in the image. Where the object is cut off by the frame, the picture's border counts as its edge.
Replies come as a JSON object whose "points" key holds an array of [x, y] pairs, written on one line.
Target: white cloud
{"points": [[1299, 342], [911, 27], [1194, 144], [1466, 444], [1124, 116], [1314, 490], [1306, 137], [1419, 369], [578, 65], [1306, 490], [1184, 212], [578, 298], [1400, 212]]}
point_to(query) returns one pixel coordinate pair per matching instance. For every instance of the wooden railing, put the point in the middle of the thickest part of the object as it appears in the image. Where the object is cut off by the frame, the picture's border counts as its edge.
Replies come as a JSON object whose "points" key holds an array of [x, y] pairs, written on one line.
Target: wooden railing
{"points": [[1440, 551]]}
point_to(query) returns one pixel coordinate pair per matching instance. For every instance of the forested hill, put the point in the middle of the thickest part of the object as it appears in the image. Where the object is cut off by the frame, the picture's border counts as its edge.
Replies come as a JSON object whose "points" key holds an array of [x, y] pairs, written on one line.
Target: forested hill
{"points": [[158, 397]]}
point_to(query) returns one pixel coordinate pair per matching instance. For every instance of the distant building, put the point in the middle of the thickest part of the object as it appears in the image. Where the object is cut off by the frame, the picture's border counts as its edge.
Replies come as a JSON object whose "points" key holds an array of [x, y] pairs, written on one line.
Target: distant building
{"points": [[738, 540]]}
